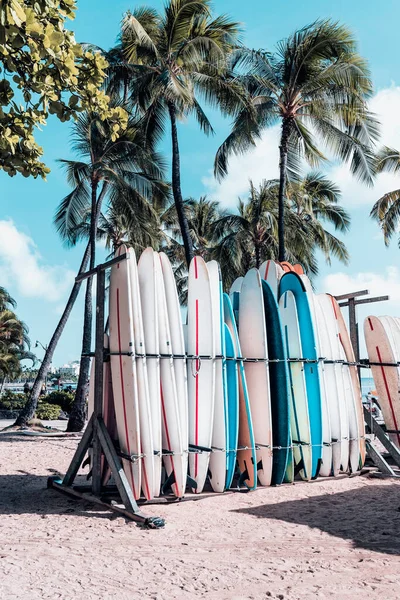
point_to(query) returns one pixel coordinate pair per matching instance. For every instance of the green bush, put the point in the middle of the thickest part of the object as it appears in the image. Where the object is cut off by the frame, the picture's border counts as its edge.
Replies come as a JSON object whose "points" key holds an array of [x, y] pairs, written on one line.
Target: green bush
{"points": [[63, 399], [11, 401], [48, 412]]}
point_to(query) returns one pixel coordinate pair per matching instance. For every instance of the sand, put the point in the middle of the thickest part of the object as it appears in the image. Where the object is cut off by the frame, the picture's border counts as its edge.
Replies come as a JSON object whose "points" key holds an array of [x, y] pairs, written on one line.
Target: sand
{"points": [[327, 539]]}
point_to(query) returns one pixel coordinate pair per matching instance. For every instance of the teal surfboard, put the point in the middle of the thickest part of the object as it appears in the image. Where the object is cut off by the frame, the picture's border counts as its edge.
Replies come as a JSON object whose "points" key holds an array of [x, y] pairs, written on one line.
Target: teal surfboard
{"points": [[279, 386], [246, 453], [292, 282], [232, 392]]}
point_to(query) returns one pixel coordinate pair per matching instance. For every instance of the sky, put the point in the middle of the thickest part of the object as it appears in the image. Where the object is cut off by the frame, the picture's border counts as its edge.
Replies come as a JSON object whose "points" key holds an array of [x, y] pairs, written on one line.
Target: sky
{"points": [[39, 271]]}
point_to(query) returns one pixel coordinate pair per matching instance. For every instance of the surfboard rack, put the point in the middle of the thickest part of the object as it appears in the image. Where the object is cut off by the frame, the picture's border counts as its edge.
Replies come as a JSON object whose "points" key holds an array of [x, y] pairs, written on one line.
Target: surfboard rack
{"points": [[97, 437], [374, 453]]}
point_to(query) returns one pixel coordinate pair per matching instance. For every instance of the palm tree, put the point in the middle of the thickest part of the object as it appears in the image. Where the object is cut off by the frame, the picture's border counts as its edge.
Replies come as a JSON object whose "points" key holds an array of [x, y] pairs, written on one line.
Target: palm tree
{"points": [[316, 86], [201, 216], [109, 171], [387, 209], [176, 58], [245, 239], [14, 340]]}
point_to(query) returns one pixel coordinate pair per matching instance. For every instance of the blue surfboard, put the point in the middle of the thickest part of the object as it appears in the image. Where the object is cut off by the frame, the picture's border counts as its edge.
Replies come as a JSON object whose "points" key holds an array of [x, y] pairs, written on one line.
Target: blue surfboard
{"points": [[232, 392], [292, 282], [246, 454], [279, 386]]}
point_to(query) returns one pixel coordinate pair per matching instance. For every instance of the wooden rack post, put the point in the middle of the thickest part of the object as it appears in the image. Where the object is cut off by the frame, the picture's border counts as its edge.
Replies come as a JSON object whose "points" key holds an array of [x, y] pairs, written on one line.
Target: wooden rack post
{"points": [[96, 434], [352, 300]]}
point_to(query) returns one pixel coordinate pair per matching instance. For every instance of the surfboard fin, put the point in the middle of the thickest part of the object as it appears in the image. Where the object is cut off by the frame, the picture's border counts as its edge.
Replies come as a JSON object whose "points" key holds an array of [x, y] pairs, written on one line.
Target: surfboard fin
{"points": [[260, 465], [299, 467], [243, 477], [168, 483], [191, 482], [318, 468]]}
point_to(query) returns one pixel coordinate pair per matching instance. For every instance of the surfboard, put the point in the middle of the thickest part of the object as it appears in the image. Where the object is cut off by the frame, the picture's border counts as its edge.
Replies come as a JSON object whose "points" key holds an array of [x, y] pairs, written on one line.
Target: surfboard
{"points": [[178, 349], [174, 454], [293, 282], [150, 486], [219, 442], [345, 344], [201, 371], [279, 386], [271, 272], [386, 378], [123, 370], [333, 378], [253, 342], [148, 296], [299, 418], [326, 463], [246, 454], [232, 390]]}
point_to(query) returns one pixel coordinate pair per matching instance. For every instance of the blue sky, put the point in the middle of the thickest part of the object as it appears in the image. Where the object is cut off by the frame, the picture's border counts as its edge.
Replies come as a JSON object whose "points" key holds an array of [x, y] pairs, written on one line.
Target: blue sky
{"points": [[38, 270]]}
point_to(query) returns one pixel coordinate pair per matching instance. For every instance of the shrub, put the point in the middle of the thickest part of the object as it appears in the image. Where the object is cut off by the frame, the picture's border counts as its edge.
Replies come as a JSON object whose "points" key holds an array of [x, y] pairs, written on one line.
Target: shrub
{"points": [[48, 412], [63, 399], [11, 401]]}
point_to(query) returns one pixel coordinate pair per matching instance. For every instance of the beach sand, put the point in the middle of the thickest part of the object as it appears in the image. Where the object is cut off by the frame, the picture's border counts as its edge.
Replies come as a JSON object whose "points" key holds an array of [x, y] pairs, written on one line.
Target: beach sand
{"points": [[327, 539]]}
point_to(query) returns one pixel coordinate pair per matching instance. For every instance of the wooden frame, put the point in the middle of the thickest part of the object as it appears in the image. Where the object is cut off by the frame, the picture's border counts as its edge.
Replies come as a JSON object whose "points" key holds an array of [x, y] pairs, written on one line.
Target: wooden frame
{"points": [[96, 434]]}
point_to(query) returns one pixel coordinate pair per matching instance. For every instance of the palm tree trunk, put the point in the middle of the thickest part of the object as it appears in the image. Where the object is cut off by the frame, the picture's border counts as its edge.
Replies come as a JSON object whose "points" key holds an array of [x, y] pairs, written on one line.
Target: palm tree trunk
{"points": [[258, 255], [176, 187], [29, 409], [78, 413], [283, 151]]}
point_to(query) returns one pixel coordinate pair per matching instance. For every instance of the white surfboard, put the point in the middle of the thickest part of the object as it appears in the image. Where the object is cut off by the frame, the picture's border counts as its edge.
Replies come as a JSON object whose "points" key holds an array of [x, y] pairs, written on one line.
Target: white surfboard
{"points": [[123, 370], [149, 485], [176, 462], [217, 466], [326, 465], [299, 419], [253, 342], [236, 286], [148, 296], [178, 349], [271, 272], [201, 372], [333, 378]]}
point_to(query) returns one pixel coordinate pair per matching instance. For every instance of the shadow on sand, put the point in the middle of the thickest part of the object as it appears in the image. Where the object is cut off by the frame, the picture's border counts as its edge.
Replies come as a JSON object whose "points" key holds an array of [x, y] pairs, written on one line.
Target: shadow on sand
{"points": [[368, 516]]}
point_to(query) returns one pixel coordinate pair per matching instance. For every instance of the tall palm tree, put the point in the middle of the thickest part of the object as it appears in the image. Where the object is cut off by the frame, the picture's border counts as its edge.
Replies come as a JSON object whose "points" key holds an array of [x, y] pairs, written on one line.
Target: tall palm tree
{"points": [[387, 209], [316, 86], [176, 58], [109, 171], [201, 216], [245, 239]]}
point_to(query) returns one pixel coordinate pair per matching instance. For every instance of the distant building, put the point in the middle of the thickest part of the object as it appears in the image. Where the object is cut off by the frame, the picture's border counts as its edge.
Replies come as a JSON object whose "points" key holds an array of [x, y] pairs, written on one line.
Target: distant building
{"points": [[70, 369]]}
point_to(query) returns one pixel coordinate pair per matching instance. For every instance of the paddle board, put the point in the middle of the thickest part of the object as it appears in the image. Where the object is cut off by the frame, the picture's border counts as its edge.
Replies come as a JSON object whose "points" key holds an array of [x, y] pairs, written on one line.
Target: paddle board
{"points": [[253, 342], [174, 453], [299, 418], [219, 442], [146, 270], [246, 454], [201, 372], [232, 390], [178, 349], [279, 386], [293, 282], [123, 369]]}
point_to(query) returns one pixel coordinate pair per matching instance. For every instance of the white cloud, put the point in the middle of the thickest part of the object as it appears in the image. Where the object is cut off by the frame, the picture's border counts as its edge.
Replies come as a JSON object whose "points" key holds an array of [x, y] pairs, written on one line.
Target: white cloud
{"points": [[22, 266], [259, 163], [386, 282], [262, 161]]}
